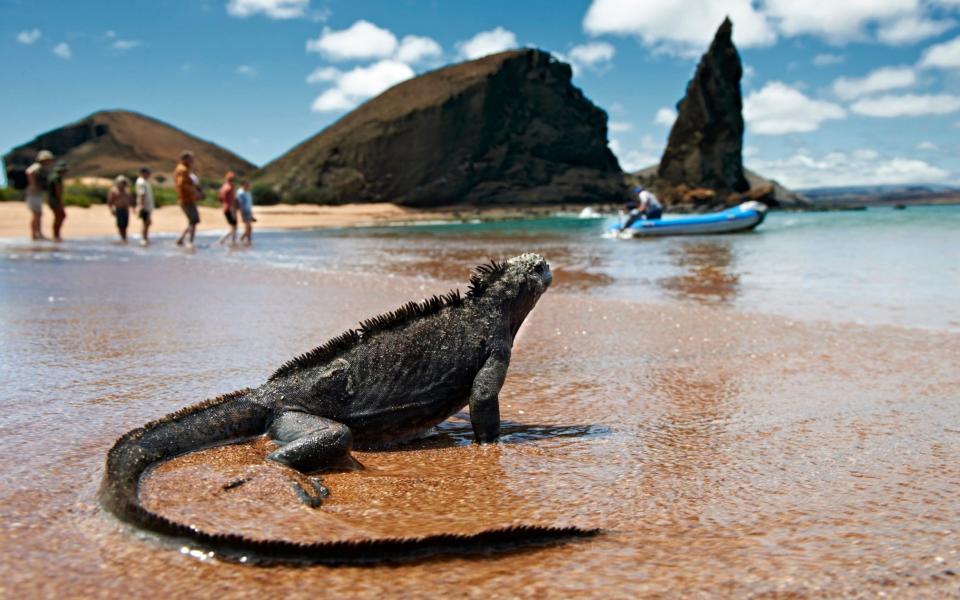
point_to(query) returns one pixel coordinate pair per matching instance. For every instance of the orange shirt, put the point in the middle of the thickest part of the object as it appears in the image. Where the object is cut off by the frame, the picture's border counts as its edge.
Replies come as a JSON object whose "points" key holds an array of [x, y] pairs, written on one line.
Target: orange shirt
{"points": [[186, 191]]}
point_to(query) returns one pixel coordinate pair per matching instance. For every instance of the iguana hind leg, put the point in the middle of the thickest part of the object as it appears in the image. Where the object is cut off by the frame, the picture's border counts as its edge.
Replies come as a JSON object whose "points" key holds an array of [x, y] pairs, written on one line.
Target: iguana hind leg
{"points": [[310, 443]]}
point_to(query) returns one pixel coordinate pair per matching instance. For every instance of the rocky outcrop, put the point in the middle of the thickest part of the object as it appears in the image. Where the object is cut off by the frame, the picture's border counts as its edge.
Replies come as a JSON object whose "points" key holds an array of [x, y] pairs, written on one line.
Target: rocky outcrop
{"points": [[509, 128], [706, 142], [109, 143]]}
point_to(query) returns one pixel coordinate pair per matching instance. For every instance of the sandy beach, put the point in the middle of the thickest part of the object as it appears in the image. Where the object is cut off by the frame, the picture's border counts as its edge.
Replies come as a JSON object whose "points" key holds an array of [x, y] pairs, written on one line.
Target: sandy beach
{"points": [[97, 220], [724, 450]]}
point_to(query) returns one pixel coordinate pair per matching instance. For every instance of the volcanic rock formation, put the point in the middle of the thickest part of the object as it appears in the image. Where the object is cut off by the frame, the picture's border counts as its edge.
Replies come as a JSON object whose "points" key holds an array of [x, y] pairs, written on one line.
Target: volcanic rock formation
{"points": [[109, 143], [705, 145], [506, 128]]}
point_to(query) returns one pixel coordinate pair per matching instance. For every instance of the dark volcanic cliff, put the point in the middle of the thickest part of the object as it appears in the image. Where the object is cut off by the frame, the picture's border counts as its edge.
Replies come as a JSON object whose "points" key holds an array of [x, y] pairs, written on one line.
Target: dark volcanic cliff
{"points": [[506, 128], [706, 142], [108, 143]]}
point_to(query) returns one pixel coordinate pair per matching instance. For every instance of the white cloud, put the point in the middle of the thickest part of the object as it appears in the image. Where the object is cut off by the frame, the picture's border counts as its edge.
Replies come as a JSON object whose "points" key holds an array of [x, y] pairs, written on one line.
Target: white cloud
{"points": [[124, 45], [332, 100], [361, 41], [487, 42], [247, 71], [927, 146], [594, 56], [749, 151], [619, 126], [837, 22], [685, 28], [415, 49], [779, 109], [634, 160], [942, 56], [912, 29], [322, 74], [28, 37], [274, 9], [353, 86], [63, 51], [678, 27], [827, 59], [879, 80], [907, 105], [839, 169], [665, 116]]}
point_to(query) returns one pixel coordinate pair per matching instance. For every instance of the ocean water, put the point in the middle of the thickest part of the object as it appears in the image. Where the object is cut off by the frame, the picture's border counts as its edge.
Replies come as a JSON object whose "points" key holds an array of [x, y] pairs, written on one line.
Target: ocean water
{"points": [[773, 414], [877, 266]]}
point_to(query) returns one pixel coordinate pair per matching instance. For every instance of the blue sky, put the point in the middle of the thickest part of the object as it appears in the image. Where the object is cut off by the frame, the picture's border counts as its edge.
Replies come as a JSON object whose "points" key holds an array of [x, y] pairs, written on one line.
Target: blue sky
{"points": [[853, 92]]}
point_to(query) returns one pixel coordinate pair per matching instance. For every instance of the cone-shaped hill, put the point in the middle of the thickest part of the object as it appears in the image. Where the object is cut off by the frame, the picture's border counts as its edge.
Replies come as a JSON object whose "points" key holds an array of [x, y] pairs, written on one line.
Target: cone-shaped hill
{"points": [[112, 142], [506, 128]]}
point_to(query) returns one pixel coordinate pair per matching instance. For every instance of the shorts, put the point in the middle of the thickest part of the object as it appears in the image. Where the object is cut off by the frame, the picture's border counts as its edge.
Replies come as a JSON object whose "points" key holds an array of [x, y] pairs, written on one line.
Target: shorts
{"points": [[247, 216], [231, 216], [144, 215], [193, 216], [123, 217], [653, 212], [34, 201]]}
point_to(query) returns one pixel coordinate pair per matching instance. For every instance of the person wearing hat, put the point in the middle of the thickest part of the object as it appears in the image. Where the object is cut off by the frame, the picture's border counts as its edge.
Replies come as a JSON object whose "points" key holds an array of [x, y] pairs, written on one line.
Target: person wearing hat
{"points": [[120, 202], [55, 198], [37, 175], [187, 195], [646, 207], [228, 199]]}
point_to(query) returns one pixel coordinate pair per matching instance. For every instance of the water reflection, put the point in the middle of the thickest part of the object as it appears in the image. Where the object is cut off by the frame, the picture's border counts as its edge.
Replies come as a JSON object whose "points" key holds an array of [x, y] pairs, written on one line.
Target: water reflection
{"points": [[707, 272]]}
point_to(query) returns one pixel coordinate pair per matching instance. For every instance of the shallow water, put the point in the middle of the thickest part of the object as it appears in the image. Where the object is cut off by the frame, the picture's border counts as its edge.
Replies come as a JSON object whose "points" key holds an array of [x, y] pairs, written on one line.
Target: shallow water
{"points": [[727, 445]]}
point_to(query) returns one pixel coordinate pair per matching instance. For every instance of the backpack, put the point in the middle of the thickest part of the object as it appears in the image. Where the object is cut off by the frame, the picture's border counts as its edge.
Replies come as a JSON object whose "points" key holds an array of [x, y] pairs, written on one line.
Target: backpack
{"points": [[17, 178]]}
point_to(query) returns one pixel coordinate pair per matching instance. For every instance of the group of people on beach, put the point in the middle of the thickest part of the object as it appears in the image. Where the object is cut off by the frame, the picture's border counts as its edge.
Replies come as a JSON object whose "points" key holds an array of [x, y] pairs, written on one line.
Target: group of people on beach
{"points": [[45, 181]]}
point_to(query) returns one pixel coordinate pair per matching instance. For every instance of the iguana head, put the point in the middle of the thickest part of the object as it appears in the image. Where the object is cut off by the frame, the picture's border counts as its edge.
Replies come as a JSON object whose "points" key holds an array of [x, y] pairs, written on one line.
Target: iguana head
{"points": [[514, 285]]}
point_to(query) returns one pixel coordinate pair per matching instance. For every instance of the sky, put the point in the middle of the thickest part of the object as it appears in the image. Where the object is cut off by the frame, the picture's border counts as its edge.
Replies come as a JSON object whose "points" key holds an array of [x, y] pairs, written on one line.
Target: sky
{"points": [[835, 93]]}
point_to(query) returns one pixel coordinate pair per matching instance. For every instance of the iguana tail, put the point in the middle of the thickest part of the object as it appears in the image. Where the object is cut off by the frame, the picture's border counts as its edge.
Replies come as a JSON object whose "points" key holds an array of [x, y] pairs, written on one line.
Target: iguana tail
{"points": [[232, 418]]}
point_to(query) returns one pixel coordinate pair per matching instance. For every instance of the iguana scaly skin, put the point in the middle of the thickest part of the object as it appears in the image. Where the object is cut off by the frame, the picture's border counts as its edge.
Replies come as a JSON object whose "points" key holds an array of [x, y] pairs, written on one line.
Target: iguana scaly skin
{"points": [[392, 379]]}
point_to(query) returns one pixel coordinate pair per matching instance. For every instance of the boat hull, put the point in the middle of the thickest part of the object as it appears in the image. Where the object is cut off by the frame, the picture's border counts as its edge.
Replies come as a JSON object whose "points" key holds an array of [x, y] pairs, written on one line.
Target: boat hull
{"points": [[744, 217]]}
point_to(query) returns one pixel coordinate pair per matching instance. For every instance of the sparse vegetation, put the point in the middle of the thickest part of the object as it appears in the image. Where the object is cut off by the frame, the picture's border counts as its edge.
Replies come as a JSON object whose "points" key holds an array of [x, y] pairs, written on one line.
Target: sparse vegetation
{"points": [[264, 195]]}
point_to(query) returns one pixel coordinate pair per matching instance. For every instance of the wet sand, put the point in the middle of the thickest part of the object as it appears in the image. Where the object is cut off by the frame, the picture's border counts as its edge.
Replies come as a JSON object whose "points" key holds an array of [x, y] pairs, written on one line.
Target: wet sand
{"points": [[97, 220], [723, 453]]}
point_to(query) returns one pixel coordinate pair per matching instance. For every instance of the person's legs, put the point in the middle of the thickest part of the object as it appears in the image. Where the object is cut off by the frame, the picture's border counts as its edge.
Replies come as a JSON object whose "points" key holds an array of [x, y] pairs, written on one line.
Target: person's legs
{"points": [[35, 225], [123, 220], [145, 231], [59, 216]]}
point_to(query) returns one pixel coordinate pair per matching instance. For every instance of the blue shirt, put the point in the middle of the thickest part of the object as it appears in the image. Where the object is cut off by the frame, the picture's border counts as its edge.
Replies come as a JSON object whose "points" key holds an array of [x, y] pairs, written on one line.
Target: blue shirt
{"points": [[245, 200]]}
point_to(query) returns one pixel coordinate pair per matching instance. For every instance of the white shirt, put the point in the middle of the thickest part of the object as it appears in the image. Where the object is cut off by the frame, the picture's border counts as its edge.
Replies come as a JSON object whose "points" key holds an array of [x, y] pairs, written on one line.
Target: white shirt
{"points": [[652, 201], [145, 194]]}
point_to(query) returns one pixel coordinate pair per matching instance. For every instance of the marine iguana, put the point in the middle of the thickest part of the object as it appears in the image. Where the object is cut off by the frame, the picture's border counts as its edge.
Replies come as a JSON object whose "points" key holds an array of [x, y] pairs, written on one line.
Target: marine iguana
{"points": [[388, 381]]}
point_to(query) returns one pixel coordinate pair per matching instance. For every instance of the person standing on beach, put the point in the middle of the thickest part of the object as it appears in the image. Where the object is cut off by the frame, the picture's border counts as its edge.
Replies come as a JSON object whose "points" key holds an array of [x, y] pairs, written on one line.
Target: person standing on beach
{"points": [[245, 203], [187, 194], [55, 198], [37, 175], [228, 199], [145, 202], [120, 202]]}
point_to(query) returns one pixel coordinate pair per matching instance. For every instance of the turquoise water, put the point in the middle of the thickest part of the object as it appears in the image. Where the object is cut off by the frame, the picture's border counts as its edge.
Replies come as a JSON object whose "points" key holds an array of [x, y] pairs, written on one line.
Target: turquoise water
{"points": [[878, 266]]}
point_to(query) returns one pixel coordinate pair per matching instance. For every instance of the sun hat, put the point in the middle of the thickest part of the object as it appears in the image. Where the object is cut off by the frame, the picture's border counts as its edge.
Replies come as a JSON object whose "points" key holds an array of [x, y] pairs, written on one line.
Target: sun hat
{"points": [[44, 155], [120, 179]]}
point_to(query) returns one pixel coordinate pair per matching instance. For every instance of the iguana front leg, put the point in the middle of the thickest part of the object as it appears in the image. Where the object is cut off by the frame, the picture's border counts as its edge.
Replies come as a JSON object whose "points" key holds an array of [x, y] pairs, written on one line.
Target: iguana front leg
{"points": [[484, 398]]}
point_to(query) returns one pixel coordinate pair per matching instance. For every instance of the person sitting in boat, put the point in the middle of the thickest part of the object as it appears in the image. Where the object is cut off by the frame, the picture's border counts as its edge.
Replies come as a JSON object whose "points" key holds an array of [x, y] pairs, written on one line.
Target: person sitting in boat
{"points": [[647, 206]]}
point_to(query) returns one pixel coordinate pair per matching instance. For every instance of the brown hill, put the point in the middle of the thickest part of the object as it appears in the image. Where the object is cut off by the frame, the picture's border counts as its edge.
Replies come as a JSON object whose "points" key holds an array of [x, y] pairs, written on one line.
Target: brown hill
{"points": [[506, 128], [108, 143]]}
